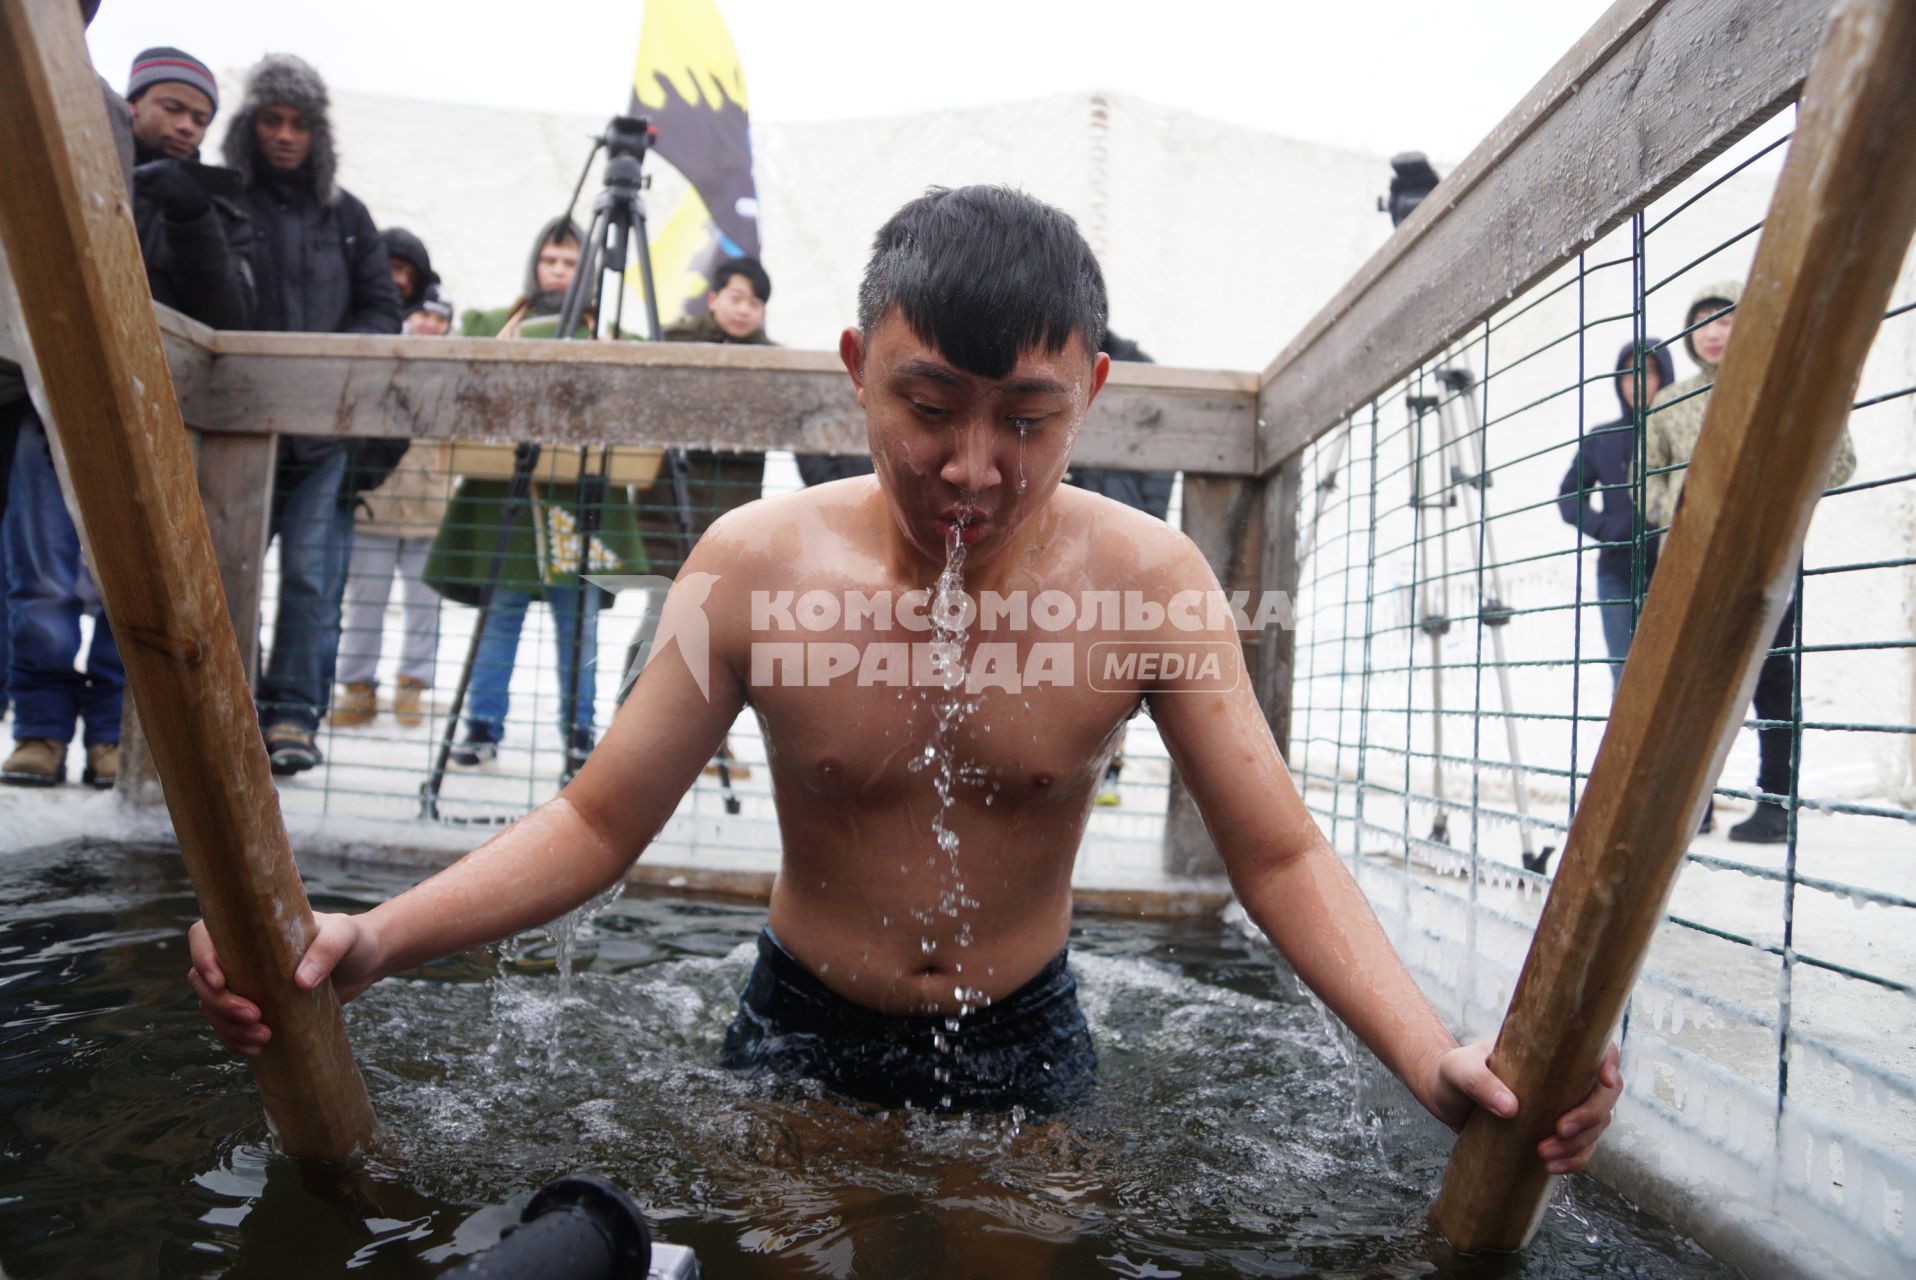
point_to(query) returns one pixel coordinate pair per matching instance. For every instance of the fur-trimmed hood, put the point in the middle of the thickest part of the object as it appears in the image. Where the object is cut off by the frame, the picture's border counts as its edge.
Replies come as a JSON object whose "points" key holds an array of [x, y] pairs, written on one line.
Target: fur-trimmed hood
{"points": [[283, 80]]}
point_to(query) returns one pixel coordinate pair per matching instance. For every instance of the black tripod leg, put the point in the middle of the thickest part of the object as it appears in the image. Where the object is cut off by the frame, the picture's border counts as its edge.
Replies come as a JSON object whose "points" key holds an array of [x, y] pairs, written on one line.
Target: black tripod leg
{"points": [[525, 457], [591, 499]]}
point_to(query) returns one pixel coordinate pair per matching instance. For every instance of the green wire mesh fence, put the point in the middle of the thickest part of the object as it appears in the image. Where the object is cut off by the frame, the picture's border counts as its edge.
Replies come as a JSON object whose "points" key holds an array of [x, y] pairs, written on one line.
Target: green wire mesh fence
{"points": [[1475, 546]]}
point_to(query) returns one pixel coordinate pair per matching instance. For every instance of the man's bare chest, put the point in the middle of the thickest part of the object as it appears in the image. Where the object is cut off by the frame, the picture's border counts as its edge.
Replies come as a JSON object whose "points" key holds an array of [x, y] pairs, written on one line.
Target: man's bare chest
{"points": [[868, 718]]}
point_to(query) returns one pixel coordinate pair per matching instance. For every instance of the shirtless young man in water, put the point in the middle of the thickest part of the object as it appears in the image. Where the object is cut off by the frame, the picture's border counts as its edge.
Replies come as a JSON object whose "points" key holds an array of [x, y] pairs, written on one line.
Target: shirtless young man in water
{"points": [[915, 950]]}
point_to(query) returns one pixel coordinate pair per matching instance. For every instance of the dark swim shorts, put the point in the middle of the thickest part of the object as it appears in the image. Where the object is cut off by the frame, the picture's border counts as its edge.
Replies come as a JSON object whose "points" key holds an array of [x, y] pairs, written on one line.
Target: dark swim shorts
{"points": [[1031, 1049]]}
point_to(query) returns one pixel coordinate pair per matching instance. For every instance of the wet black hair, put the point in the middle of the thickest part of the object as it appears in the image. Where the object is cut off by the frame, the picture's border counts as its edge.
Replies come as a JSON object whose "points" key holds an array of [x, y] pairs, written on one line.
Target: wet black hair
{"points": [[983, 273], [751, 268]]}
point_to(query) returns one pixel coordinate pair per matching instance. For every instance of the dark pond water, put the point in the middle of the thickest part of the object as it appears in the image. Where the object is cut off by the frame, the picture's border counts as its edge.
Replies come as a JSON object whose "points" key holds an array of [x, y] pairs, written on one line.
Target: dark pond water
{"points": [[1232, 1133]]}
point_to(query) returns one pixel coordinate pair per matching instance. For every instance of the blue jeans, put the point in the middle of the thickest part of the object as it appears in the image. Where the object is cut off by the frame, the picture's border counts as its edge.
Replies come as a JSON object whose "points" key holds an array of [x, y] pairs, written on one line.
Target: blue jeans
{"points": [[10, 421], [487, 698], [314, 526], [1613, 587], [50, 591]]}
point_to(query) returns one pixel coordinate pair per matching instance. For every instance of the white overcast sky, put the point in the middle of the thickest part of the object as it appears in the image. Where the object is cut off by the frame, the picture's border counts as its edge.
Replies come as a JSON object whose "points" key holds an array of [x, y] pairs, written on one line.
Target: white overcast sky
{"points": [[1375, 75]]}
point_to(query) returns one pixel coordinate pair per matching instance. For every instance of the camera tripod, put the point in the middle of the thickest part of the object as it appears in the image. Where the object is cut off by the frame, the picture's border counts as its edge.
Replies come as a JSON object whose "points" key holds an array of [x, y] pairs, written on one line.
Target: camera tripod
{"points": [[615, 236], [1462, 485]]}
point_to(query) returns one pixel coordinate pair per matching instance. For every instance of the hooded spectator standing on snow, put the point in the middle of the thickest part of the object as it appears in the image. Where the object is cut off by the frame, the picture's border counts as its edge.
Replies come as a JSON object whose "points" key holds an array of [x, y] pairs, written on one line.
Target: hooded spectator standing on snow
{"points": [[1595, 492], [542, 551], [193, 235], [392, 532], [320, 267], [1670, 434]]}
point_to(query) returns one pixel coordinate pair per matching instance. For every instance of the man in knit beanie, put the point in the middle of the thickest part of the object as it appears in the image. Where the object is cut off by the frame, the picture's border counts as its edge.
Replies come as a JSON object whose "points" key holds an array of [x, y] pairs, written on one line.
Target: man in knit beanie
{"points": [[173, 99], [320, 267]]}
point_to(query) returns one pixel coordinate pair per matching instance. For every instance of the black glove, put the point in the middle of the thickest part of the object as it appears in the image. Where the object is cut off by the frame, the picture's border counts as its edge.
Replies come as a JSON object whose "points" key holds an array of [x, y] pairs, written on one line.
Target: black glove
{"points": [[169, 185]]}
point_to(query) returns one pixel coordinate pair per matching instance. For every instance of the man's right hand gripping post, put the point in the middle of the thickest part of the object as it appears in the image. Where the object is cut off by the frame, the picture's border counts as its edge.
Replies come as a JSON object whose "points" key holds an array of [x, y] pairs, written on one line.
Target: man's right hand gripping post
{"points": [[346, 948]]}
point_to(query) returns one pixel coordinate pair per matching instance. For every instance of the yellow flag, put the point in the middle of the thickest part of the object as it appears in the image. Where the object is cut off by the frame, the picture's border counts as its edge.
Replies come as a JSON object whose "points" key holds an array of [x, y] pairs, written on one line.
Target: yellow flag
{"points": [[690, 85]]}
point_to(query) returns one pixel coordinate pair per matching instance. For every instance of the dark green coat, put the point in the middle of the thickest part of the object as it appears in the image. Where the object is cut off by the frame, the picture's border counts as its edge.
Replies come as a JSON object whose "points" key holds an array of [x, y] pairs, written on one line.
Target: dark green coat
{"points": [[537, 555]]}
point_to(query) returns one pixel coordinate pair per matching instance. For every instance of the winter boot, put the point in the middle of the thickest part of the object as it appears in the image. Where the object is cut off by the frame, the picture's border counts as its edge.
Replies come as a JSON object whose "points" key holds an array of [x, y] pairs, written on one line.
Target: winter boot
{"points": [[409, 702], [1770, 824], [357, 706], [102, 766], [480, 747], [35, 762], [290, 748]]}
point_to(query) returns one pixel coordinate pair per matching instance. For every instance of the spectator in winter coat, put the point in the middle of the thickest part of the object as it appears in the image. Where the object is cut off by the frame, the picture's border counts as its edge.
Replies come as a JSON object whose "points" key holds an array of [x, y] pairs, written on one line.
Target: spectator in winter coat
{"points": [[193, 235], [194, 230], [320, 267], [393, 532], [411, 268], [1670, 436], [542, 555], [1595, 493], [715, 482]]}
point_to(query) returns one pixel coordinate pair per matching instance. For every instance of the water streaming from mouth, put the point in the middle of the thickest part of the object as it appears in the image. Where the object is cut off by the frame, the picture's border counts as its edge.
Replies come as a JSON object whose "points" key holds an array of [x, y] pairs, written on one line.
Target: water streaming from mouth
{"points": [[951, 612]]}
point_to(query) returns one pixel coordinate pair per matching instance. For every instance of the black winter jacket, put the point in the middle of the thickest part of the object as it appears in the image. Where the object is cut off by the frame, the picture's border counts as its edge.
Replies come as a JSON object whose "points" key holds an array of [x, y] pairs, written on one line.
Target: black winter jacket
{"points": [[1601, 471], [318, 268], [202, 266]]}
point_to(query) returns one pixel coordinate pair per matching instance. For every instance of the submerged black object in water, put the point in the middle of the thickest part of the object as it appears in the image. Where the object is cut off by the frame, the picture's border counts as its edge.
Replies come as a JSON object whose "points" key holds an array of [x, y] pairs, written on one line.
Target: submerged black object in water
{"points": [[577, 1228]]}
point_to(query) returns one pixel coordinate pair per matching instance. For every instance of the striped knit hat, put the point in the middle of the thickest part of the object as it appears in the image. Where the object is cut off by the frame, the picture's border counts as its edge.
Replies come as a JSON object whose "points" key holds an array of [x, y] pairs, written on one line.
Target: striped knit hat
{"points": [[157, 66]]}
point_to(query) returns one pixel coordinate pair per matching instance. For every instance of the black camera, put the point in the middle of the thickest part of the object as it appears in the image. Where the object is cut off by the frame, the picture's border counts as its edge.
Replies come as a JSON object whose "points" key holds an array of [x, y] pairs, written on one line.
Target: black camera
{"points": [[629, 136], [1411, 180]]}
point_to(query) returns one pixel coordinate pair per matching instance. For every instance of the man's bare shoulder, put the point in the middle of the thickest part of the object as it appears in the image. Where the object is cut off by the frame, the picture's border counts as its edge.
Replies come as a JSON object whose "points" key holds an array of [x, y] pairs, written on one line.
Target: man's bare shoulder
{"points": [[782, 533], [1123, 547]]}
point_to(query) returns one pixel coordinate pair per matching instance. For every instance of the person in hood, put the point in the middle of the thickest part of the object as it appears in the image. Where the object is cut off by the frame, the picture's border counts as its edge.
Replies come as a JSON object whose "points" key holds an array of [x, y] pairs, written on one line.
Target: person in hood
{"points": [[1595, 492], [549, 271], [543, 552], [194, 236], [410, 267], [320, 267], [1670, 436]]}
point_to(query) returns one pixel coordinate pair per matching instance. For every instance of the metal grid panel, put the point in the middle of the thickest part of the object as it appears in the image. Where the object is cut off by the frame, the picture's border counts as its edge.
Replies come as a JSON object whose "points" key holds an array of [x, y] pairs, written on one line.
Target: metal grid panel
{"points": [[1453, 680]]}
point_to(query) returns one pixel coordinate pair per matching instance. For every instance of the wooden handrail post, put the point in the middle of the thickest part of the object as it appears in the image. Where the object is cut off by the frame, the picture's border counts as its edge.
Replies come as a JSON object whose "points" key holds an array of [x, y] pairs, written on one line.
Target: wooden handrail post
{"points": [[1838, 227], [67, 225]]}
